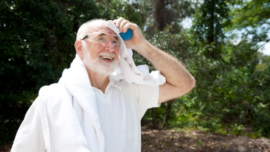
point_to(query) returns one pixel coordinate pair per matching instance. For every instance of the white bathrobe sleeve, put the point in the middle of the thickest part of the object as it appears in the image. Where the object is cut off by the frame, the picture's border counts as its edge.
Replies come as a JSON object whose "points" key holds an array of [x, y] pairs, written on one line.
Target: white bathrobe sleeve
{"points": [[147, 98], [29, 137]]}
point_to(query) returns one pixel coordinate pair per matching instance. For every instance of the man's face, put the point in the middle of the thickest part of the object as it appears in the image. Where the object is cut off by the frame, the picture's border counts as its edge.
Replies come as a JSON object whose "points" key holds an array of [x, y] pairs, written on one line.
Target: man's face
{"points": [[101, 50]]}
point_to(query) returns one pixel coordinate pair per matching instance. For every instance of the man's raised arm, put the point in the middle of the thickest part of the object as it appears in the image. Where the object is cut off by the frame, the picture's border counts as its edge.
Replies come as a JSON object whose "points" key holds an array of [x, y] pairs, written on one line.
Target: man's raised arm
{"points": [[178, 80]]}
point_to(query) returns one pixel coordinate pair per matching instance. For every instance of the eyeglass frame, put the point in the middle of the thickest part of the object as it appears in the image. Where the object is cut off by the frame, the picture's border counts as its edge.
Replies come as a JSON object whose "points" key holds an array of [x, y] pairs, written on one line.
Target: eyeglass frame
{"points": [[116, 36]]}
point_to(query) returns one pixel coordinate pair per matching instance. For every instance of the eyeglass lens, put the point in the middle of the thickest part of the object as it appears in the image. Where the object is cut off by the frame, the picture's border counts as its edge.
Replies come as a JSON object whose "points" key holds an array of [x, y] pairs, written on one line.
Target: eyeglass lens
{"points": [[104, 38]]}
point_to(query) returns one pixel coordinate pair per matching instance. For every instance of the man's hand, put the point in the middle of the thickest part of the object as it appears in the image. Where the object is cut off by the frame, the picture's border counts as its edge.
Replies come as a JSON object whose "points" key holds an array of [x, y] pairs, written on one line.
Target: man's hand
{"points": [[137, 38]]}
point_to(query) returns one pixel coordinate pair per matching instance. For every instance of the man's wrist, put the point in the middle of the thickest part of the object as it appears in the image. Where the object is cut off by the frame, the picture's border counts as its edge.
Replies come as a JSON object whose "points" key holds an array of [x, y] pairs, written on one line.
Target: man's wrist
{"points": [[142, 47]]}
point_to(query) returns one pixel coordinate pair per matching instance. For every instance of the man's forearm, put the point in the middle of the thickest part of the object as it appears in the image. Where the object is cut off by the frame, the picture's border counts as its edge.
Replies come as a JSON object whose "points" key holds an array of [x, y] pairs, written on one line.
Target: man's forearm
{"points": [[174, 71]]}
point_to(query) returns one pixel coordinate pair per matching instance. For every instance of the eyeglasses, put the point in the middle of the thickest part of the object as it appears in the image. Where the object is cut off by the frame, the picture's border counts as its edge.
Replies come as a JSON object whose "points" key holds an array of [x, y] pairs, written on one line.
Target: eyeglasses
{"points": [[103, 39]]}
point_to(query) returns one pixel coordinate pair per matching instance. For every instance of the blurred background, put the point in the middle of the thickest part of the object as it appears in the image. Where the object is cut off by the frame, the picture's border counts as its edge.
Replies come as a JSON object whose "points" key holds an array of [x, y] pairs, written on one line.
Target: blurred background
{"points": [[223, 43]]}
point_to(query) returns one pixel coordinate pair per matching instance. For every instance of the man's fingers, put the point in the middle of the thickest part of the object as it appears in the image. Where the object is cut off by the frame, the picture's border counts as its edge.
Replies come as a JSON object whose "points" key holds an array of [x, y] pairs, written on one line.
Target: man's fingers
{"points": [[122, 24], [118, 22], [132, 26]]}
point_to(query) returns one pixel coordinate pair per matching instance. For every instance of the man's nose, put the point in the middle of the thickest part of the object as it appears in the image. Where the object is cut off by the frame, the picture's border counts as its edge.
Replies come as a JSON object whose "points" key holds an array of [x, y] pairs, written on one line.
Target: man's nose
{"points": [[110, 46]]}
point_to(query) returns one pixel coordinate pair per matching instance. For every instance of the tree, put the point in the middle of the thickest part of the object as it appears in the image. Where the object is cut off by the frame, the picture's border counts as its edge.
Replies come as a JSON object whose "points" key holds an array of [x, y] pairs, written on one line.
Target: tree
{"points": [[112, 9], [210, 19], [252, 17], [253, 13], [166, 13], [170, 12]]}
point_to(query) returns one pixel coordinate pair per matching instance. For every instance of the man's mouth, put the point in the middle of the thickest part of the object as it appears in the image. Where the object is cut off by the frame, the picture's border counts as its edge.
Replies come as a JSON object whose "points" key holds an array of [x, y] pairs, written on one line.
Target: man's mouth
{"points": [[107, 58]]}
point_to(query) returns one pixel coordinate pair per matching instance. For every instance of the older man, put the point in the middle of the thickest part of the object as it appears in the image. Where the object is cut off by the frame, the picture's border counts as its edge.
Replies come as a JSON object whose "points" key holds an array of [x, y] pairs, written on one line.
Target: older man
{"points": [[89, 111]]}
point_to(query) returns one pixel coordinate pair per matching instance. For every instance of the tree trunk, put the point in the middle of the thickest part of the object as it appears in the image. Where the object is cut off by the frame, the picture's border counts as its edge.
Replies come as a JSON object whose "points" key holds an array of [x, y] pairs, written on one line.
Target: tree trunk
{"points": [[159, 14], [154, 119], [169, 108]]}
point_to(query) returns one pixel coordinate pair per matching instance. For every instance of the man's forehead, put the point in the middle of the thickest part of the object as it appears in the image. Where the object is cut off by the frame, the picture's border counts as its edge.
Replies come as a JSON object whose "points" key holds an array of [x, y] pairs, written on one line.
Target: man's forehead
{"points": [[100, 26], [105, 34]]}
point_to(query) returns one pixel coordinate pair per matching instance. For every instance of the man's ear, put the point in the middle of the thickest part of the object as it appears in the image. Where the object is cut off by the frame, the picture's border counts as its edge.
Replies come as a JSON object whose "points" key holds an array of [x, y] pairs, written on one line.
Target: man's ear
{"points": [[78, 47]]}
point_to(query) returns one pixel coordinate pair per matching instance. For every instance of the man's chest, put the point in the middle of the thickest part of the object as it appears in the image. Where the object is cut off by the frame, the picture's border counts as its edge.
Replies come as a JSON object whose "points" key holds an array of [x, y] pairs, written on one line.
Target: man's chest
{"points": [[117, 106], [119, 118]]}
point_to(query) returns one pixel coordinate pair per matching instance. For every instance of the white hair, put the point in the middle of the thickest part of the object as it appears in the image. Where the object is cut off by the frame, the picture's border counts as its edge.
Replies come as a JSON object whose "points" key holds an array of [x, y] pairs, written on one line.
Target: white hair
{"points": [[84, 28]]}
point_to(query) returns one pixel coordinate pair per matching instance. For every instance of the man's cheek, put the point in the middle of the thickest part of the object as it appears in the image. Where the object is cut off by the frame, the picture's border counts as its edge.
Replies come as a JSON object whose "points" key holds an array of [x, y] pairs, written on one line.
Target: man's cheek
{"points": [[117, 55], [94, 55]]}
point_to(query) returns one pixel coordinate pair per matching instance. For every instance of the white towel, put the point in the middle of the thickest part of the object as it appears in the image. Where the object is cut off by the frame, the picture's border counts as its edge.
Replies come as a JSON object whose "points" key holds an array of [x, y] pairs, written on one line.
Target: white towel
{"points": [[74, 85]]}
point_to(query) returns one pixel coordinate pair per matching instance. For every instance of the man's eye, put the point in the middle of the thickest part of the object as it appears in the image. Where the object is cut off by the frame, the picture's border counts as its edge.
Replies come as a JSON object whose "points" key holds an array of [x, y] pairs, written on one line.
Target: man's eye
{"points": [[114, 42], [101, 39]]}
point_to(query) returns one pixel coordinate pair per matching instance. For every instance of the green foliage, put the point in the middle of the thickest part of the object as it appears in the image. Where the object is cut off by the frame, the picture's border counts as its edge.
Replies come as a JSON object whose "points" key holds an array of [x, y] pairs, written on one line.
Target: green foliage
{"points": [[231, 93], [252, 13], [114, 9], [177, 45], [264, 61], [210, 19]]}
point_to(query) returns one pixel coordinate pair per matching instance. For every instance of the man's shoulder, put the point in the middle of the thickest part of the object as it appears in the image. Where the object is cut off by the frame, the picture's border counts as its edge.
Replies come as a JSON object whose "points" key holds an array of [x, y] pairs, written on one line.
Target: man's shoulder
{"points": [[50, 91]]}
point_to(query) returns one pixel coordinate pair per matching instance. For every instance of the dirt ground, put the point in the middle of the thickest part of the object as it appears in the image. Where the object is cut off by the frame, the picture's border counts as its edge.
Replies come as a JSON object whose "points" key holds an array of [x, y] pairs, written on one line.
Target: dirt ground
{"points": [[194, 141], [198, 141]]}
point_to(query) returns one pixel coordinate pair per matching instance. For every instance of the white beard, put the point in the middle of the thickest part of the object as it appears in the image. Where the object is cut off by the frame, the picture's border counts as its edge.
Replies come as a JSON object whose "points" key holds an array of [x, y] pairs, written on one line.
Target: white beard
{"points": [[98, 65]]}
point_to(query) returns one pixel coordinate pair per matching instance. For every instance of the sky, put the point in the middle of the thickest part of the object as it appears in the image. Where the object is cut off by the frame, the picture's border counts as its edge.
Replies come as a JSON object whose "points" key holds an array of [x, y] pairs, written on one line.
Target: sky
{"points": [[266, 49], [187, 23]]}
